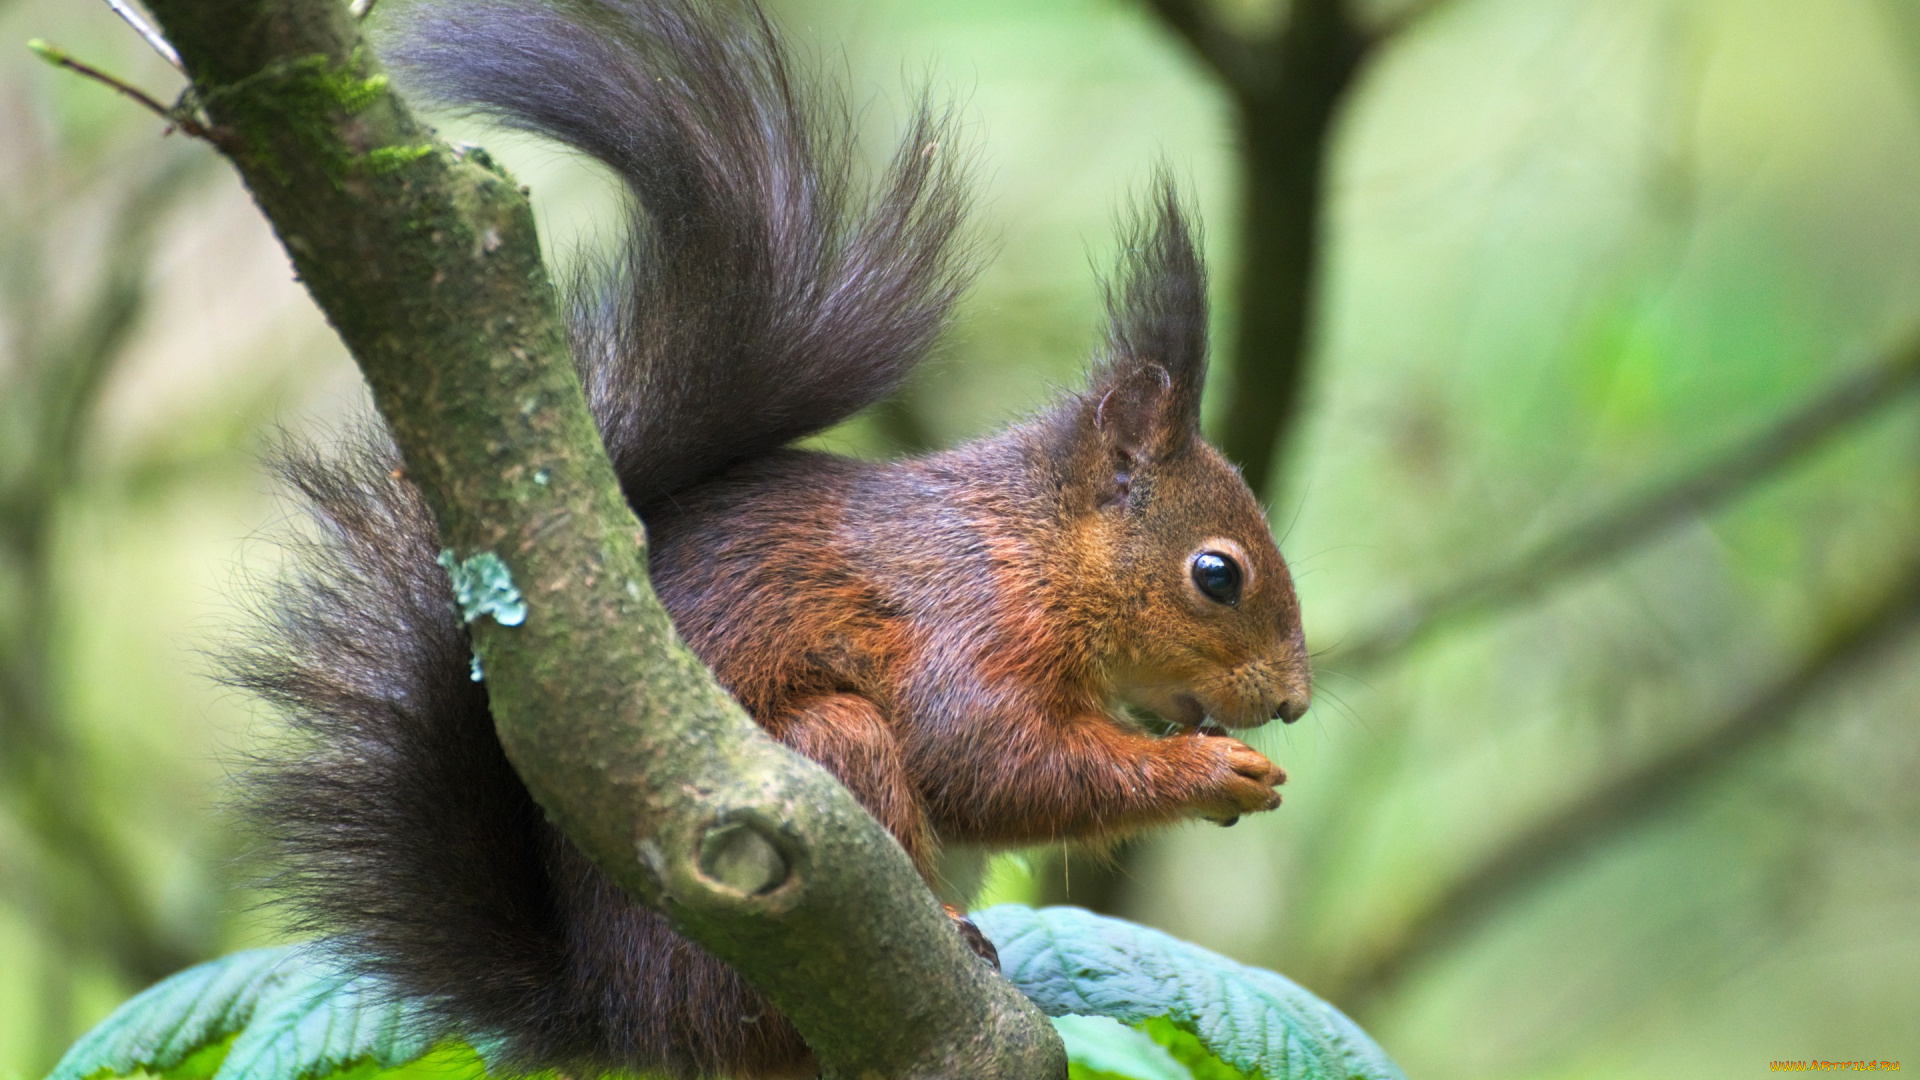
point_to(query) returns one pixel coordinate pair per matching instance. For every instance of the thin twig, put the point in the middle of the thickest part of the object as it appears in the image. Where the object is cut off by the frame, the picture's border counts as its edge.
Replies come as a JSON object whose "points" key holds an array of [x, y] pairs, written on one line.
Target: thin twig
{"points": [[61, 58], [175, 117], [1625, 800], [1232, 56], [145, 29], [1639, 519], [1401, 20]]}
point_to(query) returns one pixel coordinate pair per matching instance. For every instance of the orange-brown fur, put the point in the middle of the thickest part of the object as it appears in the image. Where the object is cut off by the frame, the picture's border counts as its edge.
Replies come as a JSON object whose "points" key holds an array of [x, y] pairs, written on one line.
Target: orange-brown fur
{"points": [[954, 648]]}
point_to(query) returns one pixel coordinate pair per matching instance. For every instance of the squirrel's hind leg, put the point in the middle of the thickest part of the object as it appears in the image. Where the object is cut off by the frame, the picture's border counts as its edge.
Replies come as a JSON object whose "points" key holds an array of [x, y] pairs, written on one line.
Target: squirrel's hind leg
{"points": [[848, 735]]}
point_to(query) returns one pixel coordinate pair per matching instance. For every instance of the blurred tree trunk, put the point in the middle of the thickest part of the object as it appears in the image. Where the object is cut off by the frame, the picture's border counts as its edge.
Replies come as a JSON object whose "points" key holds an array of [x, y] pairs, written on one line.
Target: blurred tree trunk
{"points": [[1287, 87], [82, 887], [1286, 111]]}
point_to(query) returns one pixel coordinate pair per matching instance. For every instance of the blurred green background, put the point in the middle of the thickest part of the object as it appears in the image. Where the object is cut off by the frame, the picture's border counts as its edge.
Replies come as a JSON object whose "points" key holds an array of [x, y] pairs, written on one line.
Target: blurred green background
{"points": [[1605, 541]]}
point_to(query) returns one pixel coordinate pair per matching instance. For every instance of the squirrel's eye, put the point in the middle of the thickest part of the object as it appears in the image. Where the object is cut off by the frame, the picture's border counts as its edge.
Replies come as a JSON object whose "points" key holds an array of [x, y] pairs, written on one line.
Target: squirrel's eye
{"points": [[1217, 576]]}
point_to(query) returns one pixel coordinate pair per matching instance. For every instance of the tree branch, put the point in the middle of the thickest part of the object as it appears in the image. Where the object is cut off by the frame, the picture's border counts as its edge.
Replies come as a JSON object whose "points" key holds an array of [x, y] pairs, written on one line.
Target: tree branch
{"points": [[1848, 401], [1624, 801], [147, 33], [1404, 19], [1286, 90], [1238, 61], [426, 262]]}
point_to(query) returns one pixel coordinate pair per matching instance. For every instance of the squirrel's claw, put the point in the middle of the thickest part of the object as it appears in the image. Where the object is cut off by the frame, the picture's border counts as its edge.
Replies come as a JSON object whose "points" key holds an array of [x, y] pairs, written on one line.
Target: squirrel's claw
{"points": [[1242, 782], [971, 934]]}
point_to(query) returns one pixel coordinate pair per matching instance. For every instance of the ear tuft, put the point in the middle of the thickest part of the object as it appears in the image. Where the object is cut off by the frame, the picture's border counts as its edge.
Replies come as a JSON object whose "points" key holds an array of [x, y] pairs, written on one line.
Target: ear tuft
{"points": [[1154, 365]]}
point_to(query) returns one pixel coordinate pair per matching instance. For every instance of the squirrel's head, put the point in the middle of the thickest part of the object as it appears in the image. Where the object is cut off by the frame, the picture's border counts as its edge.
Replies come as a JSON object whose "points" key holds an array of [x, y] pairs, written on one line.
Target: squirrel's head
{"points": [[1199, 614]]}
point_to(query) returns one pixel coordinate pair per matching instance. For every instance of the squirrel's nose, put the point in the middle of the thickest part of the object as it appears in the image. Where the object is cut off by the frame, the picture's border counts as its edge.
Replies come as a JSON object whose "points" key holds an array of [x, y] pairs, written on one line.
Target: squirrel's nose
{"points": [[1290, 710]]}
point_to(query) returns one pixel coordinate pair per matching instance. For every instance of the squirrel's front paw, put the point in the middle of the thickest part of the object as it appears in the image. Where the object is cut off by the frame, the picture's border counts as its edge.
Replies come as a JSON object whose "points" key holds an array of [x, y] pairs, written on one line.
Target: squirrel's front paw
{"points": [[1241, 780]]}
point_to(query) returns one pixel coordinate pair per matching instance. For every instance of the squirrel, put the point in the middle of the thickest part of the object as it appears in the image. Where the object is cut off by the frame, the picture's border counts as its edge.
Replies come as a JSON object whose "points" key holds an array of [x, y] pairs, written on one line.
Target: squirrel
{"points": [[954, 636]]}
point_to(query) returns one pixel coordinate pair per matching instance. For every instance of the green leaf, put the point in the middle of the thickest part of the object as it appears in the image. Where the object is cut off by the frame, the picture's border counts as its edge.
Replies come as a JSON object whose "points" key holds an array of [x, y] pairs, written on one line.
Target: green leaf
{"points": [[165, 1024], [322, 1024], [202, 1064], [289, 1013], [294, 1013], [1099, 1047], [1071, 961], [1186, 1048], [448, 1061]]}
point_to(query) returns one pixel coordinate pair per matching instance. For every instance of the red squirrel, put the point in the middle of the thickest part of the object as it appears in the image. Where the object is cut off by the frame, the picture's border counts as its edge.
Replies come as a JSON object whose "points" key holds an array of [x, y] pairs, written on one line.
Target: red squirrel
{"points": [[953, 636]]}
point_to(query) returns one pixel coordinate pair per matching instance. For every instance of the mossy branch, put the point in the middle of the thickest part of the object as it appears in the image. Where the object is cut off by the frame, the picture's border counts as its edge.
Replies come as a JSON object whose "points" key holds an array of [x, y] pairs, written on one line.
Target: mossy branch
{"points": [[426, 261]]}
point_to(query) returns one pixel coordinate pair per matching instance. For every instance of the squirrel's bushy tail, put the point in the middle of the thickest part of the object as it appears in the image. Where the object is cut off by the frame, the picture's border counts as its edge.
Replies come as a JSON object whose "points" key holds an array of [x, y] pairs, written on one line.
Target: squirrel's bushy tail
{"points": [[408, 838], [761, 293]]}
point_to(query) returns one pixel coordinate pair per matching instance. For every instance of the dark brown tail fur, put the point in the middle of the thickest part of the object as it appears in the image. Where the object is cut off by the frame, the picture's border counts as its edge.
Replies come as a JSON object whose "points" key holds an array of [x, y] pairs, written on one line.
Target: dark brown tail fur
{"points": [[759, 295], [408, 836]]}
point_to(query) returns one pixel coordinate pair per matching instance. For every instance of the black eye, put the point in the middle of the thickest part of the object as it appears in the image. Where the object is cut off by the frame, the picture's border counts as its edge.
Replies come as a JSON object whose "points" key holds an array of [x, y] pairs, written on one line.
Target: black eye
{"points": [[1217, 576]]}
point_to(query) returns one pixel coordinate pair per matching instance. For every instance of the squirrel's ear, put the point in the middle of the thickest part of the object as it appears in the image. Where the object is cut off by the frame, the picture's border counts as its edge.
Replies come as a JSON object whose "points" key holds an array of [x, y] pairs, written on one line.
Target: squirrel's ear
{"points": [[1154, 367], [1129, 415]]}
